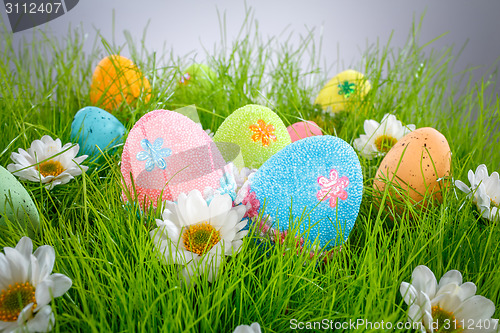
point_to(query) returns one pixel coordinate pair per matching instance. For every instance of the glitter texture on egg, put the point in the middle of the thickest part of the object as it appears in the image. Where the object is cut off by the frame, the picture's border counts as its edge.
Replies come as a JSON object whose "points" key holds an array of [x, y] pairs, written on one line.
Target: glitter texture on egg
{"points": [[317, 178], [258, 131], [166, 154]]}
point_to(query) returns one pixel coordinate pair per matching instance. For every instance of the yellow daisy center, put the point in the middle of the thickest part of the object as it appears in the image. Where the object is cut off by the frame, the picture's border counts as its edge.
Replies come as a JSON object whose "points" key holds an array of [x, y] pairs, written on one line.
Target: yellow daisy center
{"points": [[50, 168], [445, 320], [14, 299], [384, 143], [200, 238]]}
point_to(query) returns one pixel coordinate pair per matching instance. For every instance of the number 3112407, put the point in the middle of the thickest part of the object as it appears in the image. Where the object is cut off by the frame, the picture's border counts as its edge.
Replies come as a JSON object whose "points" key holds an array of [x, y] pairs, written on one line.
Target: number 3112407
{"points": [[33, 8]]}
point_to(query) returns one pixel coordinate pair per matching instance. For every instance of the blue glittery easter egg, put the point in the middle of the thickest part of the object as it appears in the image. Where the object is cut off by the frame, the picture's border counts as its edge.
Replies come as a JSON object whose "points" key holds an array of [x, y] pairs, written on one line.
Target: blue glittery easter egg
{"points": [[93, 127], [315, 182]]}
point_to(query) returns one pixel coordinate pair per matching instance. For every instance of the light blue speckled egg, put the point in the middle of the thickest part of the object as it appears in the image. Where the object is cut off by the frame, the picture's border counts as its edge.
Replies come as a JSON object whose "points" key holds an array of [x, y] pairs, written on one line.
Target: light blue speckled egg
{"points": [[16, 205], [93, 127], [316, 182]]}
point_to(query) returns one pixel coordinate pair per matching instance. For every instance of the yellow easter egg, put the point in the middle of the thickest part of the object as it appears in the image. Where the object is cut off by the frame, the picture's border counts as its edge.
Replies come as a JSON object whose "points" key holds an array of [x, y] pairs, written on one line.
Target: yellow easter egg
{"points": [[342, 88]]}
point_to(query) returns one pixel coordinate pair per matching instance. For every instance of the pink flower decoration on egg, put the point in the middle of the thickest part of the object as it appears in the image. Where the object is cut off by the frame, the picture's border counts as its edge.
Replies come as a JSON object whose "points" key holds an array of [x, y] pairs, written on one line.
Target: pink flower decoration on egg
{"points": [[252, 204], [185, 79], [332, 188]]}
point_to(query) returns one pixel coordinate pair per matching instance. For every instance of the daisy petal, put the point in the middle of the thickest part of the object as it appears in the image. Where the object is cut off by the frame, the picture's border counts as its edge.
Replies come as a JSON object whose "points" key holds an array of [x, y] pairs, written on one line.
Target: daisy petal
{"points": [[408, 292], [43, 321], [424, 280], [475, 308], [452, 276], [461, 186], [55, 285], [46, 257], [25, 247]]}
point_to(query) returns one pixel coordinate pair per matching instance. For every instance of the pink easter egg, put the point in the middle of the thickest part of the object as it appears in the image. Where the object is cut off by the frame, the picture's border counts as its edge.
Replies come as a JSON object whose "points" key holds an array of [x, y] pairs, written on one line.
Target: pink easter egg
{"points": [[303, 130], [167, 154]]}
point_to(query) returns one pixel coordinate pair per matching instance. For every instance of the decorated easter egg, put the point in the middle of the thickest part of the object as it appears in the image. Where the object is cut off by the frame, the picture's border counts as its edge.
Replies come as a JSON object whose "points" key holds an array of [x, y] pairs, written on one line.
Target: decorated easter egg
{"points": [[117, 80], [303, 129], [340, 89], [316, 182], [416, 167], [16, 205], [197, 74], [166, 154], [96, 130], [258, 131]]}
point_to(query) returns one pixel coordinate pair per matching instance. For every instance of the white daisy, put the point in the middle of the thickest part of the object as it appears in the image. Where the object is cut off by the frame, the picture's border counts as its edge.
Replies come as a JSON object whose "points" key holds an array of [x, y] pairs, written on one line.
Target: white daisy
{"points": [[27, 287], [451, 305], [485, 190], [254, 328], [48, 162], [380, 138], [241, 175], [227, 186], [195, 234]]}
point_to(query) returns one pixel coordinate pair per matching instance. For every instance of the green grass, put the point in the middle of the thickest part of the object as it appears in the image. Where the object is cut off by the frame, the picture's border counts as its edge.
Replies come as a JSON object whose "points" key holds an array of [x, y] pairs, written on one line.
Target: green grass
{"points": [[118, 283]]}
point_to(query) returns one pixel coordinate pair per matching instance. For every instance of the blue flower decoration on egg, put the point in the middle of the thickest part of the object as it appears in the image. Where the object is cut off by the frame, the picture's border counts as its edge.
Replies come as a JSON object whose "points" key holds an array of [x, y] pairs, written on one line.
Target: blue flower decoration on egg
{"points": [[227, 186], [154, 154]]}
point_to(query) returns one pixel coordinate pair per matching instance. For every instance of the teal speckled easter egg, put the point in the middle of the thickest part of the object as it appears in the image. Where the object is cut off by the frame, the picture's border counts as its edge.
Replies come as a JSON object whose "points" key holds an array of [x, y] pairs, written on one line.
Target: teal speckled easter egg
{"points": [[258, 131], [16, 205], [96, 129], [318, 180]]}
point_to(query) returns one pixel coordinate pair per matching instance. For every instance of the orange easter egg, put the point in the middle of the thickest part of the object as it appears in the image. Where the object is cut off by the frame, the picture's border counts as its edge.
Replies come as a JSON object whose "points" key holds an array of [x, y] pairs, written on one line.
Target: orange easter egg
{"points": [[117, 80], [417, 168]]}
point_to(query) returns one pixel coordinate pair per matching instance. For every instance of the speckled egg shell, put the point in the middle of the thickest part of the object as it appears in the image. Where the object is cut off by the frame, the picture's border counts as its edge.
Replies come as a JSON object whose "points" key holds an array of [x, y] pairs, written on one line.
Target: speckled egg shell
{"points": [[95, 129], [303, 129], [117, 80], [16, 204], [258, 131], [166, 154], [336, 93], [320, 176], [417, 166]]}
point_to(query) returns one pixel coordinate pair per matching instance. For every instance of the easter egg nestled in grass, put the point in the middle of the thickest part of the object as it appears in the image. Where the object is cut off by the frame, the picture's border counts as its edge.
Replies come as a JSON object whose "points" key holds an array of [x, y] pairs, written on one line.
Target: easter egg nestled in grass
{"points": [[166, 154], [197, 75], [416, 169], [96, 130], [16, 205], [303, 129], [341, 89], [258, 131], [117, 80], [316, 182]]}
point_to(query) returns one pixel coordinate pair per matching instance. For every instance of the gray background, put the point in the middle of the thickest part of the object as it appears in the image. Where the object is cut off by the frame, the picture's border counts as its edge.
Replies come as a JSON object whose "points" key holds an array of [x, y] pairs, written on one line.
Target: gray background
{"points": [[346, 27]]}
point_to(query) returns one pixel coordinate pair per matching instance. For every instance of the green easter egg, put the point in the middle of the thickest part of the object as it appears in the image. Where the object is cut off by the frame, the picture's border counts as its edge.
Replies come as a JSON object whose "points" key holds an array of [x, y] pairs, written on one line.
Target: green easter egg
{"points": [[16, 204], [197, 75], [258, 131]]}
